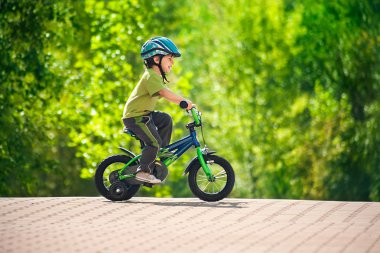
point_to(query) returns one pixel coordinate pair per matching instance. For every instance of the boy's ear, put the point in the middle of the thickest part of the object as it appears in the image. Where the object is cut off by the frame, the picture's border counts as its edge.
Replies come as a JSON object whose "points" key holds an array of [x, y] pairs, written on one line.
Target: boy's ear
{"points": [[156, 59]]}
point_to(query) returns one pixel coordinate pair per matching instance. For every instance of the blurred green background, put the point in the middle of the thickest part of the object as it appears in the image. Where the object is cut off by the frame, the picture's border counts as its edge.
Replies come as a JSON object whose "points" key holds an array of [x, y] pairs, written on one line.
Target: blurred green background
{"points": [[289, 90]]}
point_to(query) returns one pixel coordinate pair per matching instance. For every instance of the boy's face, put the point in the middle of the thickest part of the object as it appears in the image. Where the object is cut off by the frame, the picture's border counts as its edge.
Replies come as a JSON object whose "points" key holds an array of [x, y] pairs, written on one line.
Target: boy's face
{"points": [[166, 63]]}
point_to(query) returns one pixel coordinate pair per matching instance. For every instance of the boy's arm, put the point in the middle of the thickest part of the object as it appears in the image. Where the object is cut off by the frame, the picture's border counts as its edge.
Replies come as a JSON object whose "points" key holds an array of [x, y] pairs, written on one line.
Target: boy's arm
{"points": [[172, 97]]}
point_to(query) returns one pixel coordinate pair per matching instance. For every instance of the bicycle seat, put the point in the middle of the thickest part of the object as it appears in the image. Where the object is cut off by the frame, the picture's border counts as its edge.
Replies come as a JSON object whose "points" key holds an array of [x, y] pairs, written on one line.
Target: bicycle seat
{"points": [[130, 132]]}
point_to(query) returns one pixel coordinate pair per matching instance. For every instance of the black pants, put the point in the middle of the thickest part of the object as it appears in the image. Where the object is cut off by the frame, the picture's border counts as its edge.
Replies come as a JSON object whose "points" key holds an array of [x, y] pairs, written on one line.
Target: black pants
{"points": [[155, 130]]}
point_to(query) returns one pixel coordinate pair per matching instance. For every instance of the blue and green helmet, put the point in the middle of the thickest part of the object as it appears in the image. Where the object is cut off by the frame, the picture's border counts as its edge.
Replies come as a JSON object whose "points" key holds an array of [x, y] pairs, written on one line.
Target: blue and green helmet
{"points": [[159, 45]]}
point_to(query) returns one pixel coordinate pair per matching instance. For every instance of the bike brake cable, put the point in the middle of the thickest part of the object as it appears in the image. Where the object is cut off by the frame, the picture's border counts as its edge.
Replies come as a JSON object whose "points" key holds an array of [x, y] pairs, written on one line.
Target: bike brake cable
{"points": [[204, 141], [203, 137]]}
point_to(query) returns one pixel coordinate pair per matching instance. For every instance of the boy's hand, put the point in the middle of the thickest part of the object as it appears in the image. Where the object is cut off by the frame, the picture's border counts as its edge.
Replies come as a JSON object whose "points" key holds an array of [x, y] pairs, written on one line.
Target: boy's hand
{"points": [[189, 105], [186, 104]]}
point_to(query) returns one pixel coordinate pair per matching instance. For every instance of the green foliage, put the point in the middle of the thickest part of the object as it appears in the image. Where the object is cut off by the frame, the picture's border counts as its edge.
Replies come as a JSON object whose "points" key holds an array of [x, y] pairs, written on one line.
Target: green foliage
{"points": [[289, 92]]}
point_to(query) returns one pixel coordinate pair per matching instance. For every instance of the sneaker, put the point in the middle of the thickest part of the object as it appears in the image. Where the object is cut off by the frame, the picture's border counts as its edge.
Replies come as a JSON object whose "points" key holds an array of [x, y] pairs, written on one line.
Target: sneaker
{"points": [[148, 178]]}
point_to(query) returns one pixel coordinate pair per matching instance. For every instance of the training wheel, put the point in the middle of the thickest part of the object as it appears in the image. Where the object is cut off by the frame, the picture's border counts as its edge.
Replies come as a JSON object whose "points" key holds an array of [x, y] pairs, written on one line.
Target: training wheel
{"points": [[118, 191]]}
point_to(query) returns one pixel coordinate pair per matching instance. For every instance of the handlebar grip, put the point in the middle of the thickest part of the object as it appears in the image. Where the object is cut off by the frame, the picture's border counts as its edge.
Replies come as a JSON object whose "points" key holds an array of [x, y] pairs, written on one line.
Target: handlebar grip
{"points": [[183, 104]]}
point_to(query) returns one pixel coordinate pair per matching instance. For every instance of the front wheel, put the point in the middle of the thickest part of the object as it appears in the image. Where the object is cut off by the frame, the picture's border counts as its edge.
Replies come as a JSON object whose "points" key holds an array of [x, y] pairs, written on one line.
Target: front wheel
{"points": [[216, 188]]}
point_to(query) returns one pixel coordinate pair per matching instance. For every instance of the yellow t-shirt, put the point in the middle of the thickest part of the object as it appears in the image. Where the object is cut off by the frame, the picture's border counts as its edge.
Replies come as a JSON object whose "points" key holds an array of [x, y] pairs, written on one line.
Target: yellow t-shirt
{"points": [[144, 96]]}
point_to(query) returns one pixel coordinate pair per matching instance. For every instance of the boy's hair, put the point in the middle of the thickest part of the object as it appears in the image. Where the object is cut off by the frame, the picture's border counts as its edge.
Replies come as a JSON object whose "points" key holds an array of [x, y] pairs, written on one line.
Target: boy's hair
{"points": [[149, 62]]}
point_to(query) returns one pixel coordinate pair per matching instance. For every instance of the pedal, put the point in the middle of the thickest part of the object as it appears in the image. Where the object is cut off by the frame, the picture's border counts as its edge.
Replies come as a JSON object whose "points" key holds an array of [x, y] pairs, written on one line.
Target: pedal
{"points": [[148, 185]]}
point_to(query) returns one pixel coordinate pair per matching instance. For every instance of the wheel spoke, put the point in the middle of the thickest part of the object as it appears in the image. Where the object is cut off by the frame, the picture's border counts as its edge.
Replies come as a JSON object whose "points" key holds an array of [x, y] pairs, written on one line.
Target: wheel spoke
{"points": [[201, 184], [206, 186], [221, 173], [216, 186], [222, 181], [222, 184]]}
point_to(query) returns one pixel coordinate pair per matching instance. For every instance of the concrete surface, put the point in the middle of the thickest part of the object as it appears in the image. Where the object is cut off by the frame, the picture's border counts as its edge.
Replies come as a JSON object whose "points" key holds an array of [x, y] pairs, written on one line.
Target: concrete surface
{"points": [[93, 224]]}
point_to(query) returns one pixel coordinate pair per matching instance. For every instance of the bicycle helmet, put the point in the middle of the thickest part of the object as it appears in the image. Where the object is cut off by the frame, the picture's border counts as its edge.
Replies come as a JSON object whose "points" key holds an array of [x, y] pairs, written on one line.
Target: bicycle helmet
{"points": [[160, 46]]}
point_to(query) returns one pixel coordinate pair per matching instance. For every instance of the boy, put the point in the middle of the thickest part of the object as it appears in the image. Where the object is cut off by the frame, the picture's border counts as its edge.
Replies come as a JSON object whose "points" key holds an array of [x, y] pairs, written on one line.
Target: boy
{"points": [[154, 128]]}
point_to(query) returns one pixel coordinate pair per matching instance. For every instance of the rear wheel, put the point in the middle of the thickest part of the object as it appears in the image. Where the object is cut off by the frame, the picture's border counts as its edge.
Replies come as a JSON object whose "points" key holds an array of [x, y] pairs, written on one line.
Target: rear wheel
{"points": [[106, 181], [216, 188]]}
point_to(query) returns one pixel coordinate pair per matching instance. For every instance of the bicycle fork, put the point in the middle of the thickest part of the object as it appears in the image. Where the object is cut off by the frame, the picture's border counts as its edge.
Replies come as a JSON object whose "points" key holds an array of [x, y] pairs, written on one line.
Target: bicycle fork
{"points": [[204, 165]]}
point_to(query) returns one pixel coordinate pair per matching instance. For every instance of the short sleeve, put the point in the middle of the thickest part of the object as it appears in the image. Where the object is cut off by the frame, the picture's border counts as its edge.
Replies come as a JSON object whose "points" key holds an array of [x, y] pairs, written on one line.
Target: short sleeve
{"points": [[154, 84]]}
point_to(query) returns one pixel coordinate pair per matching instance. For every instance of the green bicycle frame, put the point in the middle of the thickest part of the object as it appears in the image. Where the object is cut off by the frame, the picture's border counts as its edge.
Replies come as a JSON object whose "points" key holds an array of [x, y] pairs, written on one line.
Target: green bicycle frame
{"points": [[178, 148]]}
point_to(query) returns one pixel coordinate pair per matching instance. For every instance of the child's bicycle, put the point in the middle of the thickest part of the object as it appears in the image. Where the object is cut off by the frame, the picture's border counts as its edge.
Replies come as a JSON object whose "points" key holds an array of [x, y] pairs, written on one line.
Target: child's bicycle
{"points": [[211, 177]]}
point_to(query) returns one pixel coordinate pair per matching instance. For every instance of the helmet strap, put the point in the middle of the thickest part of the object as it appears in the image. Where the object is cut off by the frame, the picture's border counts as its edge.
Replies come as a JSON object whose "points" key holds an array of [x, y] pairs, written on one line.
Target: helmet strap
{"points": [[150, 62], [163, 74]]}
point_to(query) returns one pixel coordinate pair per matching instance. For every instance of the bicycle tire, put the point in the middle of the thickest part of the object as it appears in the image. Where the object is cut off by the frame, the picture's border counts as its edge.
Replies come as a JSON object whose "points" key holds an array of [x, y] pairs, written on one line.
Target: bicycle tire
{"points": [[99, 178], [196, 171]]}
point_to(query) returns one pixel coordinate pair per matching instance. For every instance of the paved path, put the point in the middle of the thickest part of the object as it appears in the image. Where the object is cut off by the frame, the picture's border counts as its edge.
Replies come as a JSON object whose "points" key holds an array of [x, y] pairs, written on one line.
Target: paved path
{"points": [[187, 225]]}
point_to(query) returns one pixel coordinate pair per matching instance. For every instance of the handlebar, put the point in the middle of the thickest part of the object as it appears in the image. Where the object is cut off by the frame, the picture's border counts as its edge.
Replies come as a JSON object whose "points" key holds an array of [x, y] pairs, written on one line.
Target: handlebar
{"points": [[194, 112]]}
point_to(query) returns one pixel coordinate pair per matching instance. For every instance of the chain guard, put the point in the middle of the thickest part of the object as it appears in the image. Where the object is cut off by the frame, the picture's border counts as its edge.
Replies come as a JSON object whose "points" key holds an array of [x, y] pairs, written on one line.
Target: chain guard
{"points": [[160, 170]]}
